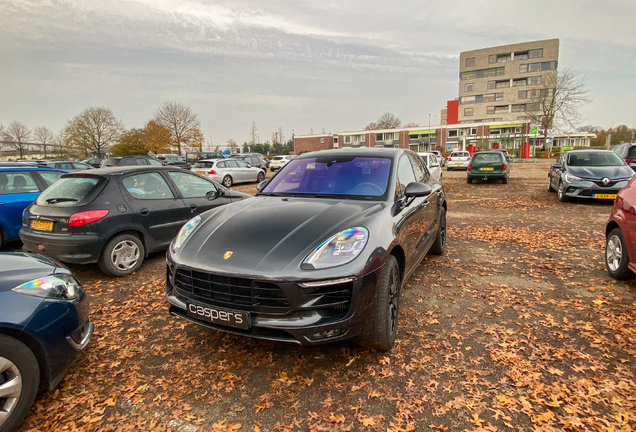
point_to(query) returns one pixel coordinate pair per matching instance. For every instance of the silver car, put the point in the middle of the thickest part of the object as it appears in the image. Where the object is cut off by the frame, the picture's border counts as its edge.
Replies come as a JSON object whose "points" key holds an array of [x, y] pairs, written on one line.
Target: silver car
{"points": [[432, 163], [228, 171]]}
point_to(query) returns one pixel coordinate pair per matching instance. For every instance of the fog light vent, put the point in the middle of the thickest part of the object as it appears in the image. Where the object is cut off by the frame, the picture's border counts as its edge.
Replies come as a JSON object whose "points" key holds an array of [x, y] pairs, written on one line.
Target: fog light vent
{"points": [[325, 334]]}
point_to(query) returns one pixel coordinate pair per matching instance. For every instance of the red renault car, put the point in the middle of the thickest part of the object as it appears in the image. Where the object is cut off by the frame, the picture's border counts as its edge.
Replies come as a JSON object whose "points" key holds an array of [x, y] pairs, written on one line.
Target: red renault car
{"points": [[620, 234]]}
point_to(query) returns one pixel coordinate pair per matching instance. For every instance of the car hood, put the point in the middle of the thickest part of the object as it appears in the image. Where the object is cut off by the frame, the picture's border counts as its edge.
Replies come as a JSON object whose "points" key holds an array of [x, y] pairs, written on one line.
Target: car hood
{"points": [[18, 268], [611, 172], [268, 235]]}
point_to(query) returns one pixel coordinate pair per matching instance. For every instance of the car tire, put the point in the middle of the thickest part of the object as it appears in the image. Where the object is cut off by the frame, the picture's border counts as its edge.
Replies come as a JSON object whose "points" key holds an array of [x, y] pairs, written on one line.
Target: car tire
{"points": [[469, 180], [616, 255], [561, 193], [119, 253], [227, 181], [384, 318], [439, 245], [448, 168], [504, 180], [260, 177], [18, 363], [550, 188]]}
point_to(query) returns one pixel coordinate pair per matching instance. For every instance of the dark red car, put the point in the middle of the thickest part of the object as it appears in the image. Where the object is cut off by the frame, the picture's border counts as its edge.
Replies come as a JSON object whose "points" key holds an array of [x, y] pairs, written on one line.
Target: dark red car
{"points": [[620, 234]]}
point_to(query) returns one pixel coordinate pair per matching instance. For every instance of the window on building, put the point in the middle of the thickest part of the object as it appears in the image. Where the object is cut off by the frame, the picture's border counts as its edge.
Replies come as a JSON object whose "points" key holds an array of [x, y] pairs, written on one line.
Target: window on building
{"points": [[501, 108], [492, 84], [470, 62], [469, 87], [490, 110], [490, 72], [520, 82], [503, 84], [495, 131], [502, 58], [378, 137], [534, 80], [518, 108], [467, 100], [536, 67], [347, 138], [468, 112], [473, 131], [532, 107], [322, 140], [521, 55], [523, 94], [488, 97], [546, 93], [469, 75], [535, 53], [452, 133], [498, 97]]}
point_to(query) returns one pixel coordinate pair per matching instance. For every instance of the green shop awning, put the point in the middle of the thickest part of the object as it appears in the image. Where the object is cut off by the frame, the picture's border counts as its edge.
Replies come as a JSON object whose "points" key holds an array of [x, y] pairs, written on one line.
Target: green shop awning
{"points": [[506, 126], [422, 132]]}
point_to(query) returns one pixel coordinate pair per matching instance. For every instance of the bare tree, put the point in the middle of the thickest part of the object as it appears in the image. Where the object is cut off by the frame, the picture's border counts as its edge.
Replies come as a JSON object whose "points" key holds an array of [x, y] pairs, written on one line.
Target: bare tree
{"points": [[281, 135], [183, 124], [274, 137], [232, 145], [44, 136], [557, 100], [386, 121], [94, 130], [253, 133], [18, 135]]}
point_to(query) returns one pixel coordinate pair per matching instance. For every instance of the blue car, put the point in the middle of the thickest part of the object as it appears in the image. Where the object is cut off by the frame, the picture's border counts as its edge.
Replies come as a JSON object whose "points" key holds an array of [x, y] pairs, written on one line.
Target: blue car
{"points": [[43, 325], [19, 187]]}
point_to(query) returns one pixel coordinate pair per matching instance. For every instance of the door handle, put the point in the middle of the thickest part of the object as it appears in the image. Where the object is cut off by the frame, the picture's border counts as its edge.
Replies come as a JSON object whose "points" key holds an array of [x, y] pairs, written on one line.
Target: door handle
{"points": [[144, 212], [193, 207]]}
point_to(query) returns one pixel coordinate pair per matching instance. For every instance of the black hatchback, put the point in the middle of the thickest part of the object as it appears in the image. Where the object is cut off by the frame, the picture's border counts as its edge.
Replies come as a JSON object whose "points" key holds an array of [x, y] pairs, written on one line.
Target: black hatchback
{"points": [[116, 216]]}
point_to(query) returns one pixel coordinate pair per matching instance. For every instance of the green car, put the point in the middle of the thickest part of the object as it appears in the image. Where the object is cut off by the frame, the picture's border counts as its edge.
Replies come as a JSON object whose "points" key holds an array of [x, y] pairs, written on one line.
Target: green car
{"points": [[488, 165]]}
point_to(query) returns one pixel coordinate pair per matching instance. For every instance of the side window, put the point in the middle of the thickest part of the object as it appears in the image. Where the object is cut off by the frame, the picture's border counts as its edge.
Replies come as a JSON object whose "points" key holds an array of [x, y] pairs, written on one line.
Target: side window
{"points": [[240, 164], [147, 186], [140, 161], [221, 165], [127, 162], [191, 186], [419, 166], [254, 160], [80, 166], [231, 164], [152, 162], [50, 177], [405, 174], [17, 182]]}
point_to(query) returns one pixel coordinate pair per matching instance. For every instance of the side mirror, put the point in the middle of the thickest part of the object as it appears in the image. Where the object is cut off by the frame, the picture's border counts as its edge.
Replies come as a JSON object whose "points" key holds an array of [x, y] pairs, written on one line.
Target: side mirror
{"points": [[434, 165], [415, 189], [248, 165], [261, 185], [214, 194], [556, 166]]}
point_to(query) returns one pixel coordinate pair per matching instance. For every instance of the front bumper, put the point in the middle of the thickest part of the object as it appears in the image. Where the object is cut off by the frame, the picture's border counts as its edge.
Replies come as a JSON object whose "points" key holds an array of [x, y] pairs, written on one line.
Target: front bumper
{"points": [[307, 316], [588, 189], [69, 248]]}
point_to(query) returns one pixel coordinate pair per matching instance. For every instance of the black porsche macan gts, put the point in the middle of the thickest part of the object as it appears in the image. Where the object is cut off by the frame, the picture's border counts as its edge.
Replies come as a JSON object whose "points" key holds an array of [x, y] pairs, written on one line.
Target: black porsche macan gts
{"points": [[317, 256]]}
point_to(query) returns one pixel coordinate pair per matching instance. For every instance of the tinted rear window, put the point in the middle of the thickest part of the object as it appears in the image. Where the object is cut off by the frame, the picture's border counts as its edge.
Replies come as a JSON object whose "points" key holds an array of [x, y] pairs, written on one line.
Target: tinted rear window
{"points": [[632, 152], [487, 158], [111, 161], [202, 165], [460, 154], [71, 191]]}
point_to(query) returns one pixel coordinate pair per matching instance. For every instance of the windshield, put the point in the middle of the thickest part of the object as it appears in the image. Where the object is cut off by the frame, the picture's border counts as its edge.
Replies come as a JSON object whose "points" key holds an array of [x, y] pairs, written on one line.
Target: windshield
{"points": [[487, 158], [69, 191], [341, 176], [594, 159]]}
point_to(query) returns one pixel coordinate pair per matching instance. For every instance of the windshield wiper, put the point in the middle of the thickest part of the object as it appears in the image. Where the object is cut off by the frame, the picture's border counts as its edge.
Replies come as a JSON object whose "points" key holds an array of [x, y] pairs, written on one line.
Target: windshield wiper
{"points": [[272, 194], [56, 200]]}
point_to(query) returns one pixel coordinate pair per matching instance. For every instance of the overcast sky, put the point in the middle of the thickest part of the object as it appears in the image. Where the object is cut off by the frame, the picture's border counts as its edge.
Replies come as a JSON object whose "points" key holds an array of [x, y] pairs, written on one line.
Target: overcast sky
{"points": [[298, 64]]}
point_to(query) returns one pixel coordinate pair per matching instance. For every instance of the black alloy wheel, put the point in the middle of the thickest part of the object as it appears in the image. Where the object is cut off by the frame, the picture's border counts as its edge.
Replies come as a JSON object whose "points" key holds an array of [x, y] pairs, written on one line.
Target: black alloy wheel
{"points": [[469, 180], [260, 177], [550, 188], [386, 309], [439, 246], [227, 181]]}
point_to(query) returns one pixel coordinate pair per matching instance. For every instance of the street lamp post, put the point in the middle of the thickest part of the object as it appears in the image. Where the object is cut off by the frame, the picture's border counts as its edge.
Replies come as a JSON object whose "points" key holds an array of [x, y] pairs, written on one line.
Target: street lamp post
{"points": [[429, 131]]}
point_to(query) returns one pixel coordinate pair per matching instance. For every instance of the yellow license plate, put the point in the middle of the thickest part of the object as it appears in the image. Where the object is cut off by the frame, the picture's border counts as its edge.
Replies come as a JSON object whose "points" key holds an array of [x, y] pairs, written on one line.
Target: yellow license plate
{"points": [[42, 225], [486, 168], [604, 196], [201, 172]]}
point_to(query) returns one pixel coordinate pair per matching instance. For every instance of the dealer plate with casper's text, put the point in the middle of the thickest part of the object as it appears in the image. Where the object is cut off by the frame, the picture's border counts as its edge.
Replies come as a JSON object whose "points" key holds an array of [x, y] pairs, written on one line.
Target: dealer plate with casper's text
{"points": [[604, 196], [219, 316]]}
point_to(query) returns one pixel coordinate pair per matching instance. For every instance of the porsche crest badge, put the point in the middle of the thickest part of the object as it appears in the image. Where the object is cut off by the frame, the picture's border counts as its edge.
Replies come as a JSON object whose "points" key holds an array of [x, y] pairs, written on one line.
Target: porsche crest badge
{"points": [[227, 254]]}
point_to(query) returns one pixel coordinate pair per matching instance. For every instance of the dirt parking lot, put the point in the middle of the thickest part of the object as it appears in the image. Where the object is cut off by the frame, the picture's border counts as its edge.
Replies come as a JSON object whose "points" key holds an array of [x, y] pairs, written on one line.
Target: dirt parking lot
{"points": [[517, 327]]}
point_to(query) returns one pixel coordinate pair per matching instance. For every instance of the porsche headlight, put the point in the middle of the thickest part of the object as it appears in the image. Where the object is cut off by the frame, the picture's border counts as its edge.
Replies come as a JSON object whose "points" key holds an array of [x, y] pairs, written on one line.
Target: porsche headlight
{"points": [[184, 232], [62, 286], [571, 178], [338, 249]]}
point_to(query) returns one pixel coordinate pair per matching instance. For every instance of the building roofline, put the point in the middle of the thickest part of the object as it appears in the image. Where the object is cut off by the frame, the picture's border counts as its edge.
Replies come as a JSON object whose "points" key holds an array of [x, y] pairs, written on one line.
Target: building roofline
{"points": [[510, 45], [314, 135]]}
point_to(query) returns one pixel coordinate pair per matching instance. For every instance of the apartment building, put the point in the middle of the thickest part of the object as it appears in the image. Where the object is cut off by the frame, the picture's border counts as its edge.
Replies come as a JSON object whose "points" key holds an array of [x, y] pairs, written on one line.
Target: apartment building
{"points": [[498, 84]]}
